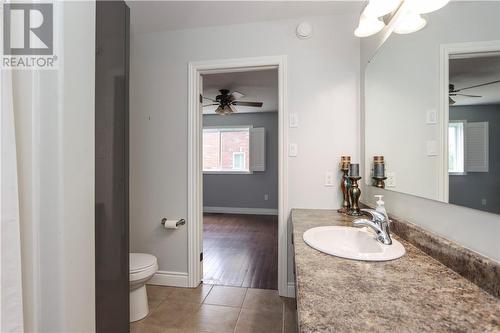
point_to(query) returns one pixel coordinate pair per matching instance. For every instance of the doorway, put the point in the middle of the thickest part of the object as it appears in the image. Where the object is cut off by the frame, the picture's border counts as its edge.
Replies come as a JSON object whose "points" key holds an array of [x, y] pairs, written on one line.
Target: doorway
{"points": [[240, 178], [469, 81], [196, 257]]}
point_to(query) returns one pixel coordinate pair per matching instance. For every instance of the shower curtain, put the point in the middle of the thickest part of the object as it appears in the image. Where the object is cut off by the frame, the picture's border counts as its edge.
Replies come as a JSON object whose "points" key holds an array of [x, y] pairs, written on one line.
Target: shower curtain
{"points": [[10, 237]]}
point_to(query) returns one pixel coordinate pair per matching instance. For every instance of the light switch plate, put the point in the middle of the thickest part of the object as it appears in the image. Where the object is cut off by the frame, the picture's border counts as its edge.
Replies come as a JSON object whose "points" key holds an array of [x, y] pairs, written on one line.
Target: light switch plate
{"points": [[294, 120], [431, 148], [431, 117], [329, 179], [293, 150]]}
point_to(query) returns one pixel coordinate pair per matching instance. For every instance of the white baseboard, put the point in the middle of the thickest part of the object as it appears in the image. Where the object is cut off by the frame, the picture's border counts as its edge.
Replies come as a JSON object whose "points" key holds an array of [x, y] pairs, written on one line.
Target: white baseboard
{"points": [[238, 210], [170, 279], [291, 289]]}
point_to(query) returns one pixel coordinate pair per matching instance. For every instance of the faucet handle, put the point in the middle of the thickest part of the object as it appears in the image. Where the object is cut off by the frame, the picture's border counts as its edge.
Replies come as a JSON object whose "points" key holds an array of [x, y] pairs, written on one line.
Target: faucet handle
{"points": [[376, 216]]}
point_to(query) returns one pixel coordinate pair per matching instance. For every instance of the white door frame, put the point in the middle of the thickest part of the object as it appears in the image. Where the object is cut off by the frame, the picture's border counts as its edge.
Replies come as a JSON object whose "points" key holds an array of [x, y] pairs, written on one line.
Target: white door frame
{"points": [[195, 177], [448, 50]]}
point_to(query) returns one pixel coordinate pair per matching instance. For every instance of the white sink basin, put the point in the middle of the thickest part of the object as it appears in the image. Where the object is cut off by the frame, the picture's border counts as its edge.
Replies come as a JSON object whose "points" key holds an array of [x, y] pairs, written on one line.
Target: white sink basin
{"points": [[352, 243]]}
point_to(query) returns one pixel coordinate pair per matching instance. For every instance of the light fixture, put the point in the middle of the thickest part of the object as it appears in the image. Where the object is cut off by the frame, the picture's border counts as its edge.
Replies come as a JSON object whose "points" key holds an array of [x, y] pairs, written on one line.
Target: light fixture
{"points": [[379, 8], [368, 26], [425, 6], [409, 22], [224, 110]]}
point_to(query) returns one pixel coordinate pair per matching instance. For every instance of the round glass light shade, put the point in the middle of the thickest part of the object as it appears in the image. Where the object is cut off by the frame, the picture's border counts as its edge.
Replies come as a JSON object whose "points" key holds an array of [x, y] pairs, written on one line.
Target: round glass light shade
{"points": [[379, 8], [368, 26], [425, 6], [409, 22]]}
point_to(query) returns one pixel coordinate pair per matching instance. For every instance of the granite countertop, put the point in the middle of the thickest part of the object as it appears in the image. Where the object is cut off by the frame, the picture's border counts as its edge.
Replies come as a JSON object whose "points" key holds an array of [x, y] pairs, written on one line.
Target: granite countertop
{"points": [[412, 294]]}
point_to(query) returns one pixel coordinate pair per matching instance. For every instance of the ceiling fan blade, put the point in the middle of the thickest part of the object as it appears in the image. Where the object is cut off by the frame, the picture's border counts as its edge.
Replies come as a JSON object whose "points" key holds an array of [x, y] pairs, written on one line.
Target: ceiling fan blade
{"points": [[253, 104], [236, 95], [451, 101], [210, 104], [210, 99], [477, 85], [467, 95]]}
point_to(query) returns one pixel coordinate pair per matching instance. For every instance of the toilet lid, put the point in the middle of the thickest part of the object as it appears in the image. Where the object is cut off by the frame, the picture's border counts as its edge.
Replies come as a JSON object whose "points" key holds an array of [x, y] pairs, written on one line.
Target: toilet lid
{"points": [[141, 261]]}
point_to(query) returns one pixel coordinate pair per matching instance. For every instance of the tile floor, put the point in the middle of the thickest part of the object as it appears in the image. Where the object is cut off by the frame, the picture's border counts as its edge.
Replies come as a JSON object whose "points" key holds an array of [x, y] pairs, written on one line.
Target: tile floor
{"points": [[216, 309]]}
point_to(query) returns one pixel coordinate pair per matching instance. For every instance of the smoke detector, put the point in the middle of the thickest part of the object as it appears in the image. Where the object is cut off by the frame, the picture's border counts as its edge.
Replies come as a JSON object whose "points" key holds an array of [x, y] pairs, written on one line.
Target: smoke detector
{"points": [[304, 30]]}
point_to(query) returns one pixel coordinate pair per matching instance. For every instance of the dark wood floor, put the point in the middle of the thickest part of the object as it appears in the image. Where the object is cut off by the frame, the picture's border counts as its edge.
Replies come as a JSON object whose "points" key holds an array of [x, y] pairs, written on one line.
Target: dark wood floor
{"points": [[240, 250]]}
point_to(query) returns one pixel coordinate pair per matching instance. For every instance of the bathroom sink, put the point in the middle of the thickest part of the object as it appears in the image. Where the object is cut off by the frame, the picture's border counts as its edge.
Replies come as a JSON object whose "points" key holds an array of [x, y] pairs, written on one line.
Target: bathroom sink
{"points": [[352, 243]]}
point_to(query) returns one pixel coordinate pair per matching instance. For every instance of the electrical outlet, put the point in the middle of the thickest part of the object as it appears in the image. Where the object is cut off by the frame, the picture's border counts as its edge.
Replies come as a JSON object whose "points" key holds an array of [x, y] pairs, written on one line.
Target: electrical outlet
{"points": [[391, 179], [266, 197], [294, 120], [293, 150], [329, 179], [484, 202]]}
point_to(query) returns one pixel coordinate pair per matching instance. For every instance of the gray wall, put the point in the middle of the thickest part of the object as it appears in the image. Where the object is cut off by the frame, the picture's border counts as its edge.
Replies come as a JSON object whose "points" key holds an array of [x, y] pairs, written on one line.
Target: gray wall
{"points": [[470, 189], [247, 190]]}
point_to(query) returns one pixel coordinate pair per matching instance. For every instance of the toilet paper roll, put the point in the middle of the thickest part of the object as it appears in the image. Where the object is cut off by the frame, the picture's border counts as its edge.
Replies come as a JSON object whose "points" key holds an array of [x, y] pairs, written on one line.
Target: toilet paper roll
{"points": [[170, 224]]}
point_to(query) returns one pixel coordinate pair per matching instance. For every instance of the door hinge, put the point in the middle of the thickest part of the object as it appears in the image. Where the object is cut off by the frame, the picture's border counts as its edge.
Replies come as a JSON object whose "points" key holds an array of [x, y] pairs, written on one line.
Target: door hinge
{"points": [[201, 256], [201, 99]]}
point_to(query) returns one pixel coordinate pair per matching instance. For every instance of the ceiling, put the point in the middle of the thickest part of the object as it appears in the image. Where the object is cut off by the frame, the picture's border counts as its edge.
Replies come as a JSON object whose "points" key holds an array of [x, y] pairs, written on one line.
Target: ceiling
{"points": [[152, 16], [466, 72], [258, 86]]}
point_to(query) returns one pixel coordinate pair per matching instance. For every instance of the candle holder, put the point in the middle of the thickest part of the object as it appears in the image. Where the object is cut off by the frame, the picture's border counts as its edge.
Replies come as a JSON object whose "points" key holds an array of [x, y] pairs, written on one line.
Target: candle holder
{"points": [[379, 182], [345, 185], [354, 194]]}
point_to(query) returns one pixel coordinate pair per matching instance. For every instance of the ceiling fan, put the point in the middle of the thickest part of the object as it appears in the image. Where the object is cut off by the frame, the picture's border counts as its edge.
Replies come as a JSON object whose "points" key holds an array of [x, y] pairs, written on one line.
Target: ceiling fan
{"points": [[227, 101], [456, 92]]}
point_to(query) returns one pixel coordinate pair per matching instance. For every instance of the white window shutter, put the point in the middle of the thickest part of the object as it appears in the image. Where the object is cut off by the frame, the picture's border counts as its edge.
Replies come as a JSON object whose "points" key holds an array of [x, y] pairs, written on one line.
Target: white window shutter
{"points": [[477, 147], [257, 149]]}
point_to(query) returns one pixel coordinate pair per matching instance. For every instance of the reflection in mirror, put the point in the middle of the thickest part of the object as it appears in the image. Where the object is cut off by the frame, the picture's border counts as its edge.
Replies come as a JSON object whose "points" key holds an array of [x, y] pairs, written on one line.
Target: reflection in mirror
{"points": [[432, 108], [474, 130]]}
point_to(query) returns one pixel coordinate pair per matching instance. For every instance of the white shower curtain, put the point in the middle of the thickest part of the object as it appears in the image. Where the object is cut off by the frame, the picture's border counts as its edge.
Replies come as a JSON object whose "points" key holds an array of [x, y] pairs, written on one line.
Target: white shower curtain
{"points": [[11, 315]]}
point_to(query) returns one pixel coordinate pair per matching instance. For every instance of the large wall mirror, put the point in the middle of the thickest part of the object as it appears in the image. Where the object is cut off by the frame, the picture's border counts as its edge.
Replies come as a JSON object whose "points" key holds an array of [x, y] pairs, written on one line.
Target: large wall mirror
{"points": [[432, 108]]}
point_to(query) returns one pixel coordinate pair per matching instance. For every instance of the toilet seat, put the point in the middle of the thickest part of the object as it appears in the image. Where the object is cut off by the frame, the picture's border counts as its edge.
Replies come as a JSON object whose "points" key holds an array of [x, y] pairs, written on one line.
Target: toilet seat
{"points": [[142, 265]]}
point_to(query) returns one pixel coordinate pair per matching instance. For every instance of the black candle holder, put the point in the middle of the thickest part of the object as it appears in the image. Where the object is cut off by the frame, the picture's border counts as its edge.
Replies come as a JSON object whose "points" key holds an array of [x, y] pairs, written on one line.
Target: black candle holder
{"points": [[379, 182], [345, 185], [354, 194]]}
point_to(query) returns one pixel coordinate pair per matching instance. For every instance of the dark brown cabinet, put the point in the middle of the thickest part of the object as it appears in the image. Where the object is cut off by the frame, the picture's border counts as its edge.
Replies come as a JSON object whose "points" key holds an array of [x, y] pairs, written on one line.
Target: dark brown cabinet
{"points": [[111, 167]]}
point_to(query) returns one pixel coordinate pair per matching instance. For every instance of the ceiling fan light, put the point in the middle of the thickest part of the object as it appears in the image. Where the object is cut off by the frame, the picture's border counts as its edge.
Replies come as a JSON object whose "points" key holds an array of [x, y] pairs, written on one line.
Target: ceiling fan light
{"points": [[409, 22], [379, 8], [425, 6], [219, 110], [227, 110], [368, 26]]}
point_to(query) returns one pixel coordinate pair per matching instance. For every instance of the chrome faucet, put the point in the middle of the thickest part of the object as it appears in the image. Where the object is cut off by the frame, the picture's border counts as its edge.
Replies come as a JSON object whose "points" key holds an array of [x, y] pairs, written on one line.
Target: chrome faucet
{"points": [[379, 223]]}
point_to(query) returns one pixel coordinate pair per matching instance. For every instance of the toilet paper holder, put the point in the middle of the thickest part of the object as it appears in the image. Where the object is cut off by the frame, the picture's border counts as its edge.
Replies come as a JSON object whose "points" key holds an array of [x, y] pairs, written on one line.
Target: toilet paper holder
{"points": [[180, 222]]}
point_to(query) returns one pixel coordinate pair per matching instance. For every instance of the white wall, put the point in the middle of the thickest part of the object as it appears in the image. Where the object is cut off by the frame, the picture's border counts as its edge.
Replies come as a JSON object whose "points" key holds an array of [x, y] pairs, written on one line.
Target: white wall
{"points": [[322, 87], [476, 230], [54, 115], [402, 82]]}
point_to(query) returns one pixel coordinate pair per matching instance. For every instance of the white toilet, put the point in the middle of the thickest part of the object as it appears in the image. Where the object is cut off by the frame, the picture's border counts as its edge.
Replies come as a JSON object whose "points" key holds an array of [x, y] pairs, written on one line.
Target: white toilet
{"points": [[142, 268]]}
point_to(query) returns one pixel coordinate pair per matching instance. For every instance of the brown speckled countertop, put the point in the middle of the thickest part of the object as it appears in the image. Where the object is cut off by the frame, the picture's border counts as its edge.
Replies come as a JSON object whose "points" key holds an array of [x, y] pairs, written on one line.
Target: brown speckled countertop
{"points": [[412, 294]]}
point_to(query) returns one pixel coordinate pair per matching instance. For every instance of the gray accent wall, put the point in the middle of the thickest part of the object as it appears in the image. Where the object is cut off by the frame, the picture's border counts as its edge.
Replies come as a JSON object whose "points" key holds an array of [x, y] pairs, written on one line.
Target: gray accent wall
{"points": [[469, 190], [245, 190]]}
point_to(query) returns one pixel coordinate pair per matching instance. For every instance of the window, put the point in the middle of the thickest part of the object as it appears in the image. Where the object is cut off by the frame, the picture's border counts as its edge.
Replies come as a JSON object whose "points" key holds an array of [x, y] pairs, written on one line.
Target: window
{"points": [[226, 150], [456, 147], [239, 160]]}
